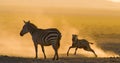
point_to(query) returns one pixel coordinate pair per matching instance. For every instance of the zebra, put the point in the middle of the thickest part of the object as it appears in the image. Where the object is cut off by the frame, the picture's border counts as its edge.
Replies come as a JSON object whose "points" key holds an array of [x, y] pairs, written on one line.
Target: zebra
{"points": [[43, 37], [80, 43]]}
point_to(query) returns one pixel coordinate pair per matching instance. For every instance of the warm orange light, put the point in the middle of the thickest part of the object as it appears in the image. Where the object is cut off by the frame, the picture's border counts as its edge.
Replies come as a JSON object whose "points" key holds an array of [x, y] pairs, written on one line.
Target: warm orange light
{"points": [[116, 1]]}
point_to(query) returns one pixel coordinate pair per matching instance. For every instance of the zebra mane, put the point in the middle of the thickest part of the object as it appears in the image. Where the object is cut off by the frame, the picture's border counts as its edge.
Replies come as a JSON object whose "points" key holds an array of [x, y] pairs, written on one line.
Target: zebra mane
{"points": [[32, 25]]}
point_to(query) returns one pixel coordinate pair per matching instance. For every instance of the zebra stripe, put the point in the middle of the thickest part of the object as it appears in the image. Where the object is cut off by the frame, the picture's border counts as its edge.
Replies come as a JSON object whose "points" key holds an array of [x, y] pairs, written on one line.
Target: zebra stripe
{"points": [[47, 36]]}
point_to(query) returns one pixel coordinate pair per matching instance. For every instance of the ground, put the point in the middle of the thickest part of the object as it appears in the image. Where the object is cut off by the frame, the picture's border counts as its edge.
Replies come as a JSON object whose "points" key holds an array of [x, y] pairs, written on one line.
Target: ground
{"points": [[6, 59]]}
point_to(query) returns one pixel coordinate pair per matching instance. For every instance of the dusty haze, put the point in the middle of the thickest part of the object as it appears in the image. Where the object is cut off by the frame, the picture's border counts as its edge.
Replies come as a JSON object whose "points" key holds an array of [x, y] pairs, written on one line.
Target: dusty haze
{"points": [[88, 21]]}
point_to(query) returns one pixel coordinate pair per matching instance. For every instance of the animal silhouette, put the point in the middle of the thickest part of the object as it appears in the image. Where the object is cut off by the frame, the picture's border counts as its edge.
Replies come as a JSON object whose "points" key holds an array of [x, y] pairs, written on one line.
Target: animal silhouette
{"points": [[43, 37], [80, 43]]}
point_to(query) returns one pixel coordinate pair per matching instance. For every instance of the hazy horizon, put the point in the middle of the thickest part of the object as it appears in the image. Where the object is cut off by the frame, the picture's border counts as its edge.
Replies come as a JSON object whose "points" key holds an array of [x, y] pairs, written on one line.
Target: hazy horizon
{"points": [[92, 4]]}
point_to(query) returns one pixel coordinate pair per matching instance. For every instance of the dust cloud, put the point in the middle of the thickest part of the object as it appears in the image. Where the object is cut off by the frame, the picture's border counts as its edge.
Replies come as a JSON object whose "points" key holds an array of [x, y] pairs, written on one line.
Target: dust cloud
{"points": [[66, 42], [102, 53]]}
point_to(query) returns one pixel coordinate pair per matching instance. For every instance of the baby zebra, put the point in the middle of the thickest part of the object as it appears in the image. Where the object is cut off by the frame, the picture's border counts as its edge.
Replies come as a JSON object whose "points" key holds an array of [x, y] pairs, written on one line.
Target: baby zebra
{"points": [[80, 43]]}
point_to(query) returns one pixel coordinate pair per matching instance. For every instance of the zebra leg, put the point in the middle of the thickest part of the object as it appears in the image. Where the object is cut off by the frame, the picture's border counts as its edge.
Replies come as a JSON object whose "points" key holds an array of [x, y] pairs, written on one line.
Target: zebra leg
{"points": [[36, 51], [89, 49], [43, 51], [56, 52], [93, 52], [75, 51], [69, 50]]}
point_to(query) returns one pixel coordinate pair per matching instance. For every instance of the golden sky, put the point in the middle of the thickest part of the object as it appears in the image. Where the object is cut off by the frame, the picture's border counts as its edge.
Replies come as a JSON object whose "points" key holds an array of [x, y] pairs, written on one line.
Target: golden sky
{"points": [[97, 4]]}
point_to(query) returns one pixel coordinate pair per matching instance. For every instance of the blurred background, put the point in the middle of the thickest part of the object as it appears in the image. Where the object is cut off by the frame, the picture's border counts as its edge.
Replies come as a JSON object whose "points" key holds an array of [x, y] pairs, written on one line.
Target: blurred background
{"points": [[98, 21]]}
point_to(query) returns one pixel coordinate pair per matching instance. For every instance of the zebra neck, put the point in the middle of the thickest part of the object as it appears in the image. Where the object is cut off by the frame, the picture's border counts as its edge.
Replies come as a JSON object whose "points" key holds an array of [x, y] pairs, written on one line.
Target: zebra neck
{"points": [[32, 31]]}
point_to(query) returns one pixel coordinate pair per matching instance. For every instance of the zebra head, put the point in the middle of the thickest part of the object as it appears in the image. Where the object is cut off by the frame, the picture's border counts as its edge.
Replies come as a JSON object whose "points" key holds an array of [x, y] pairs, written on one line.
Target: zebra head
{"points": [[74, 38], [25, 28]]}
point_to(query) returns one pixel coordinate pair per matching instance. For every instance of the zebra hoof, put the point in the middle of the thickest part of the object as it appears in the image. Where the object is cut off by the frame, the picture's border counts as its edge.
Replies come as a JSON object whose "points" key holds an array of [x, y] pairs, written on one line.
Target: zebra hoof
{"points": [[55, 59], [67, 54], [75, 54], [96, 56], [44, 57], [36, 57]]}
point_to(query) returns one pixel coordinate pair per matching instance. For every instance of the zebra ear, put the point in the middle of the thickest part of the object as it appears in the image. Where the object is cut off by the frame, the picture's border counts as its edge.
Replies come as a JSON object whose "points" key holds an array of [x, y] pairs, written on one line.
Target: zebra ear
{"points": [[28, 21], [24, 21]]}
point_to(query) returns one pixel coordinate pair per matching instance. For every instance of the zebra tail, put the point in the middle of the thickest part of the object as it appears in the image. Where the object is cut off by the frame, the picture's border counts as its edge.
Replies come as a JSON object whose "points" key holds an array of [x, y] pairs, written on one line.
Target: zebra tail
{"points": [[91, 43], [59, 41], [58, 45]]}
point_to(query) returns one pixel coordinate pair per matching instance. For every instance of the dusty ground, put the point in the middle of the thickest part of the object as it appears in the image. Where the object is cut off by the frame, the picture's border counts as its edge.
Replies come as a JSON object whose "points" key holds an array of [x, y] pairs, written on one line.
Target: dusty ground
{"points": [[6, 59], [105, 45]]}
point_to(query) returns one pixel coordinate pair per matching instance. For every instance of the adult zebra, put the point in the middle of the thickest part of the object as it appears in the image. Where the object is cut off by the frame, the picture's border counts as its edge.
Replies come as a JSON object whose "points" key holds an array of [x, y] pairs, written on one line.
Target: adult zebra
{"points": [[43, 37]]}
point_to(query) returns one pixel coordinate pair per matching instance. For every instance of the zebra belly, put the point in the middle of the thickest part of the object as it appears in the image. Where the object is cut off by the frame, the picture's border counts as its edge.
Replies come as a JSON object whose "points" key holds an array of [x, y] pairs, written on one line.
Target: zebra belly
{"points": [[80, 46], [44, 43]]}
